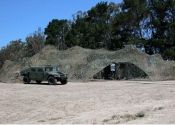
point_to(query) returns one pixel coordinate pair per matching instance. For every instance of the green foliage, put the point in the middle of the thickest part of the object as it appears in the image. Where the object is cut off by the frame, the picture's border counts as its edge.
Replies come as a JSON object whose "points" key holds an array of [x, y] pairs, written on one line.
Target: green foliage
{"points": [[140, 114], [94, 28], [34, 42], [13, 51], [106, 120], [56, 32], [128, 116], [169, 54]]}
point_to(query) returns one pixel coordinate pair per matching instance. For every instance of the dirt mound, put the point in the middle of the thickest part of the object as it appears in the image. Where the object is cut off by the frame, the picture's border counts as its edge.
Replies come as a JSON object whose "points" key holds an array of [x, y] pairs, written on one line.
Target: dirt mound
{"points": [[83, 64]]}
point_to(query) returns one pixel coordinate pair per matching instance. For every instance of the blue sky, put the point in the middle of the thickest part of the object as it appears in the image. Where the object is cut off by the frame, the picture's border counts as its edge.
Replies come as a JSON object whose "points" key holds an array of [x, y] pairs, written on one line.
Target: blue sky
{"points": [[19, 18]]}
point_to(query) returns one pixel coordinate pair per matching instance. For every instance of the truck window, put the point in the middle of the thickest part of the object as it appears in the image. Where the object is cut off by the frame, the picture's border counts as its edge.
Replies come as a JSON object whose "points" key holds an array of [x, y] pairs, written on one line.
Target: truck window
{"points": [[33, 70], [40, 70], [54, 69], [47, 69]]}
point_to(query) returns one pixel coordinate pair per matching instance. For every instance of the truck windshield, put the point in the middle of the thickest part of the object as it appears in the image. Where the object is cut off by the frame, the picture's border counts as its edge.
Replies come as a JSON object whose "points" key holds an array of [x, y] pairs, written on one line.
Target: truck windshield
{"points": [[51, 69]]}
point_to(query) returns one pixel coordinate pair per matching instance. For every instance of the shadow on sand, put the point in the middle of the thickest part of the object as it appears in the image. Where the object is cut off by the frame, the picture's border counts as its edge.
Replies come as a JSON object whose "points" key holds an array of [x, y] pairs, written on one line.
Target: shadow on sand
{"points": [[44, 83]]}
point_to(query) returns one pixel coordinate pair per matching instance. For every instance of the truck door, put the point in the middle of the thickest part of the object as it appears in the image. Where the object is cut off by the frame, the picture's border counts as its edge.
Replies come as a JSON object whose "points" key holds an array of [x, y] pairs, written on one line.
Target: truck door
{"points": [[40, 74], [33, 73]]}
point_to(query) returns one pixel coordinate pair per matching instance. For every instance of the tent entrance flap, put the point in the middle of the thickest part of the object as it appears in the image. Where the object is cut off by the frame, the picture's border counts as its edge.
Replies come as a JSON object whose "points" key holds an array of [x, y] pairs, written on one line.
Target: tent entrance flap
{"points": [[120, 71]]}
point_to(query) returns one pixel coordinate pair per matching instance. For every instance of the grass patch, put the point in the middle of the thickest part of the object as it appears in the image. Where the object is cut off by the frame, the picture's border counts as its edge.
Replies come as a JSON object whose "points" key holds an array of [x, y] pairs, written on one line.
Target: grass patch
{"points": [[55, 118], [140, 114], [41, 121], [114, 116], [106, 120], [125, 117], [129, 117], [160, 108]]}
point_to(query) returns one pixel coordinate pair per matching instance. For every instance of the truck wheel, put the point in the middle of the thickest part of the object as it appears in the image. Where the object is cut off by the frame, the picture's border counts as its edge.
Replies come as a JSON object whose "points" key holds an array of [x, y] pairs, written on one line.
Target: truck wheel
{"points": [[63, 82], [26, 80], [52, 80], [38, 81]]}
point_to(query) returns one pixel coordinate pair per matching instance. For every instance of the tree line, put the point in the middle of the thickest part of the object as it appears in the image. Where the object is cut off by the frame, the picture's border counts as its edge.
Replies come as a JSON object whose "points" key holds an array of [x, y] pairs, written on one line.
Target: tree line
{"points": [[147, 24]]}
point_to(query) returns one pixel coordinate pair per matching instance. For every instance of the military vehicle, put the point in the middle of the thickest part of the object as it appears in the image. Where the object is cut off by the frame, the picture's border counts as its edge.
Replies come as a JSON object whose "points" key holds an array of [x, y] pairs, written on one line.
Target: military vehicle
{"points": [[43, 73]]}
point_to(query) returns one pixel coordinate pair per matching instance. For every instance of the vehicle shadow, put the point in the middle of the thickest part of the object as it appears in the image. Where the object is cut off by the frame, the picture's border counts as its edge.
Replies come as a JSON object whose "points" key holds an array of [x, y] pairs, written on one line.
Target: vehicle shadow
{"points": [[44, 83]]}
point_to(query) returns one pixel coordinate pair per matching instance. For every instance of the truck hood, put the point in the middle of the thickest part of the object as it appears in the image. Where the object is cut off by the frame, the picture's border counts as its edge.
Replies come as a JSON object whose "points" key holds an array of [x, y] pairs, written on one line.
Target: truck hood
{"points": [[61, 73]]}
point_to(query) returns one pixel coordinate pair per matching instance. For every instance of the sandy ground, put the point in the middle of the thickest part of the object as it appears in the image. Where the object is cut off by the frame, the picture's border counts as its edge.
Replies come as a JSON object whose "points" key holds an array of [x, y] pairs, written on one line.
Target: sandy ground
{"points": [[106, 102]]}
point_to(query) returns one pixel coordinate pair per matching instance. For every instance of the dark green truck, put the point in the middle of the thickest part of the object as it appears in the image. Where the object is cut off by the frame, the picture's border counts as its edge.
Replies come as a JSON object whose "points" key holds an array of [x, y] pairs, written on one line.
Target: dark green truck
{"points": [[43, 73]]}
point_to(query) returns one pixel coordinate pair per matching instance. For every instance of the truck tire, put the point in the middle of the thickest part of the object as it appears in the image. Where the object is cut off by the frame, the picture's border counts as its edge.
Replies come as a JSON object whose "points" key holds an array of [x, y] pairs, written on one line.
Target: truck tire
{"points": [[63, 82], [52, 80], [26, 79]]}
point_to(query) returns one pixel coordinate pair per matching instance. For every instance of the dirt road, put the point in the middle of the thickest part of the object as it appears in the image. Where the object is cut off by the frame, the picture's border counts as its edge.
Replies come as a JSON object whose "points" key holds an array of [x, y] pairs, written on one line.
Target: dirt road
{"points": [[108, 102]]}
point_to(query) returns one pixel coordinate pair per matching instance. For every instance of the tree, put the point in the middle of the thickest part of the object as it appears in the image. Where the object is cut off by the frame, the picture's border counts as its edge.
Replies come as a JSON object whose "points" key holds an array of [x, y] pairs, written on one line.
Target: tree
{"points": [[162, 28], [56, 32], [14, 51], [35, 42], [98, 18], [76, 34], [93, 29]]}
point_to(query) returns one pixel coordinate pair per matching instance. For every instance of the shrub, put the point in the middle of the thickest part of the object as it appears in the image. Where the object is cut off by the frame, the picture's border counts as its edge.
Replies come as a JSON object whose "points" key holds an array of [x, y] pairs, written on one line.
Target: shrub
{"points": [[140, 114]]}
